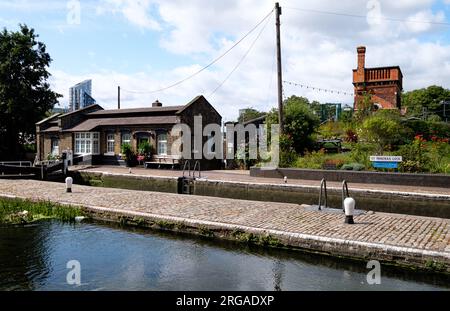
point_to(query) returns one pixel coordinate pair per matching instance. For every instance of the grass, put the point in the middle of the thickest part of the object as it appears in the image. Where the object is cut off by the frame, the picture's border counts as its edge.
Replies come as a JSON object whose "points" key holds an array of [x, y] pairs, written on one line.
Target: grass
{"points": [[11, 211]]}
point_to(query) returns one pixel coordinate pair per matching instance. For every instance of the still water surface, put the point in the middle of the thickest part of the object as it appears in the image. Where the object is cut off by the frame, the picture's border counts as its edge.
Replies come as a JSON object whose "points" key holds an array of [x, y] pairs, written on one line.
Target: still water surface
{"points": [[112, 258]]}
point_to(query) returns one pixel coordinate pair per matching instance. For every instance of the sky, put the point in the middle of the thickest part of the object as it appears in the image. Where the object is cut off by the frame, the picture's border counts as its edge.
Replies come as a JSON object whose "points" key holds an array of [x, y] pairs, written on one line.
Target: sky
{"points": [[146, 45]]}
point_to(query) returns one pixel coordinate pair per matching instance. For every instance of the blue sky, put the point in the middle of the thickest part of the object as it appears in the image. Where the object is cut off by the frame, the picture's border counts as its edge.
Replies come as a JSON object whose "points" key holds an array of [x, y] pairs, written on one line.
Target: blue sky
{"points": [[147, 44]]}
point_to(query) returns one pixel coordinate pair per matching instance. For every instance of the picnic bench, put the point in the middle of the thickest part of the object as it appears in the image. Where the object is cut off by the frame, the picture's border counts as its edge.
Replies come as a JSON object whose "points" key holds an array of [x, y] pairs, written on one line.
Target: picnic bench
{"points": [[164, 160]]}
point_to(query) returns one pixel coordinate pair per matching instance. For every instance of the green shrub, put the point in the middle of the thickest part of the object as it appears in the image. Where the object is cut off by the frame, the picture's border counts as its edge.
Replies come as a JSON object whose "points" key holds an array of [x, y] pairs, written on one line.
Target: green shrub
{"points": [[361, 153], [313, 160], [128, 154], [319, 160], [331, 130], [414, 156], [383, 129], [145, 149], [438, 154], [353, 167]]}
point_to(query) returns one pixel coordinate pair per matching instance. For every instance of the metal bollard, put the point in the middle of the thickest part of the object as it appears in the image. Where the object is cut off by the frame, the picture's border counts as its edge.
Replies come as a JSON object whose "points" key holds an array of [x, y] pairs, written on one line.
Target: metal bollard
{"points": [[69, 182], [349, 206]]}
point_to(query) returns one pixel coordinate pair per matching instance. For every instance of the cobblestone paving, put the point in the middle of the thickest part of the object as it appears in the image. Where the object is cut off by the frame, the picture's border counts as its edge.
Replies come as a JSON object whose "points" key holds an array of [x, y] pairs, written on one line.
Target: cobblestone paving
{"points": [[388, 229], [243, 176]]}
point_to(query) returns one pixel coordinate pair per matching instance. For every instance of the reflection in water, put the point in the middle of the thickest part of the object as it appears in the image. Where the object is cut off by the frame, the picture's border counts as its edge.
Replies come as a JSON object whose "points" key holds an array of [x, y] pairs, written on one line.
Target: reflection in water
{"points": [[277, 274], [113, 258], [24, 257]]}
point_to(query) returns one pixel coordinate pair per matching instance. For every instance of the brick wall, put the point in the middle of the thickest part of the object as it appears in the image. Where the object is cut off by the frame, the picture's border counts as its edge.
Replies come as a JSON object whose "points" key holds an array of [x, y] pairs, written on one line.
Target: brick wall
{"points": [[65, 142], [209, 115]]}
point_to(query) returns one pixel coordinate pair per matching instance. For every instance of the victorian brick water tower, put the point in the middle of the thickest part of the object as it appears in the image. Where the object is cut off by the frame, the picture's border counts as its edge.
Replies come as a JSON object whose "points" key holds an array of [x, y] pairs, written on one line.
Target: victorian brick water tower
{"points": [[383, 84]]}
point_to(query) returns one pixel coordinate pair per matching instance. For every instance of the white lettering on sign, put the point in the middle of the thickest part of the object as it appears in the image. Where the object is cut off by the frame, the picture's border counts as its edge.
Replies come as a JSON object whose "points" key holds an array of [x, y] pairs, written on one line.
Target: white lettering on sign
{"points": [[386, 159]]}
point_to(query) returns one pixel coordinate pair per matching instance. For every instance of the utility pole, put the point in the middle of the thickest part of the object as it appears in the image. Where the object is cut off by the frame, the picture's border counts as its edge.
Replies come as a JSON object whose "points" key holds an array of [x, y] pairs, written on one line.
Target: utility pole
{"points": [[280, 77], [118, 97]]}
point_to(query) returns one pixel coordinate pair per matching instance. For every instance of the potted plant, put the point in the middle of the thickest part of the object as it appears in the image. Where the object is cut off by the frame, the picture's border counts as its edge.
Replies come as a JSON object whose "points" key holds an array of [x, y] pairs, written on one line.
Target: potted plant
{"points": [[128, 155], [145, 150]]}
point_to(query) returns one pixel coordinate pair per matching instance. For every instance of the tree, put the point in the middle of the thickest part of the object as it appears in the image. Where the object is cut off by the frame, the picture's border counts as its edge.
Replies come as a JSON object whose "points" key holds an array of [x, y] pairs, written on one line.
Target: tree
{"points": [[365, 107], [383, 129], [25, 95], [299, 122], [426, 102], [249, 114]]}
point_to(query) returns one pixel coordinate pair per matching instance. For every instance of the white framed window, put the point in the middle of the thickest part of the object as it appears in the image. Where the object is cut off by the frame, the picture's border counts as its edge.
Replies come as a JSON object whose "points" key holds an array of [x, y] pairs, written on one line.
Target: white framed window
{"points": [[162, 144], [126, 138], [87, 143], [55, 146], [110, 143]]}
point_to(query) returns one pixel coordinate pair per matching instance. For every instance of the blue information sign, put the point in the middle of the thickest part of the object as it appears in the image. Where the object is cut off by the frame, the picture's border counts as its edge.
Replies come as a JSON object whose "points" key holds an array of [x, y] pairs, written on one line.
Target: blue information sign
{"points": [[385, 164]]}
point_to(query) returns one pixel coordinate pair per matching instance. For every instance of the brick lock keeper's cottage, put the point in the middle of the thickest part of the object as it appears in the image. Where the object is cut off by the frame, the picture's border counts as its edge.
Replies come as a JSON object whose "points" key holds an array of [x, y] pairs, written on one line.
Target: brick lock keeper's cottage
{"points": [[95, 135]]}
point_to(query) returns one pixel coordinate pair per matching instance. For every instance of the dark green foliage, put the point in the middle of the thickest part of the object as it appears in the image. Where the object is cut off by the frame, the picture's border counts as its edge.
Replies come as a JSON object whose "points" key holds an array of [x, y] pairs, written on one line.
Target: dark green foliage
{"points": [[128, 154], [427, 129], [25, 95], [299, 124], [427, 101]]}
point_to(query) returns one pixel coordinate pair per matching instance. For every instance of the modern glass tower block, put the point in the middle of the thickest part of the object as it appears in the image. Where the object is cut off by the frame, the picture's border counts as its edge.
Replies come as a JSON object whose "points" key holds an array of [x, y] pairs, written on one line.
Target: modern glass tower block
{"points": [[81, 95]]}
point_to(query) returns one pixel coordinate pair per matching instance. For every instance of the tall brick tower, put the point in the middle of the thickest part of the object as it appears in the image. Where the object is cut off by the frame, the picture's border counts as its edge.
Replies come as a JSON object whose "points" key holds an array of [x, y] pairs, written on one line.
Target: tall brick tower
{"points": [[384, 84]]}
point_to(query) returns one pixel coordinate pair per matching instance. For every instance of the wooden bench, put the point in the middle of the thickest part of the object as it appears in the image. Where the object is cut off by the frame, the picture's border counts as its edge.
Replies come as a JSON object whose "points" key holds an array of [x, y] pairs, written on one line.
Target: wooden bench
{"points": [[164, 160]]}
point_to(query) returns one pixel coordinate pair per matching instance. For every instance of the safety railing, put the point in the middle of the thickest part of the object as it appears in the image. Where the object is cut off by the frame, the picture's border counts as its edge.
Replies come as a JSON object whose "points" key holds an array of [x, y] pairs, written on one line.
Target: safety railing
{"points": [[188, 163], [323, 189], [197, 164]]}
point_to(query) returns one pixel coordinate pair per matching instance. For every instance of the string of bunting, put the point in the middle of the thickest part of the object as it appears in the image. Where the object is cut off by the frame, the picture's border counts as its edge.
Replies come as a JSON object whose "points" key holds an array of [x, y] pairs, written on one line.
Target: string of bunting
{"points": [[318, 89]]}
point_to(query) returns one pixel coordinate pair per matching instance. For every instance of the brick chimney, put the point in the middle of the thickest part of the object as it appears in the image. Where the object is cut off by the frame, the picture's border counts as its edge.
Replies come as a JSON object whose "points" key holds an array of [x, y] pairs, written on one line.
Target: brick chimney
{"points": [[361, 58], [157, 104]]}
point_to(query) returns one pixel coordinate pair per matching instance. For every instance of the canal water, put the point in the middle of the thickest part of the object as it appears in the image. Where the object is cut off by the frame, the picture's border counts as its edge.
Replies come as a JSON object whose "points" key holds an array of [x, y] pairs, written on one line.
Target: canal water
{"points": [[112, 258]]}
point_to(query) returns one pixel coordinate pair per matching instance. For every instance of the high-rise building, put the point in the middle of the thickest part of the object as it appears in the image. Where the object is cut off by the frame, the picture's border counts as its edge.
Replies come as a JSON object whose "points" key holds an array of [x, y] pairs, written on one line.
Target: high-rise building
{"points": [[81, 95]]}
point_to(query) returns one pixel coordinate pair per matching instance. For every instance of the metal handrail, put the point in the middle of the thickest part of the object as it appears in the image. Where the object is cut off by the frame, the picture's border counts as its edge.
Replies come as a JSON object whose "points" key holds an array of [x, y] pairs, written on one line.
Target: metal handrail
{"points": [[323, 186], [199, 169], [344, 193], [14, 163], [189, 167]]}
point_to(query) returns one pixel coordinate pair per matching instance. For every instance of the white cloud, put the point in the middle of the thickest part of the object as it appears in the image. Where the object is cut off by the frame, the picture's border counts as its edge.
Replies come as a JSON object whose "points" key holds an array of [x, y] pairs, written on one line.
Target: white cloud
{"points": [[137, 12], [415, 22], [318, 50]]}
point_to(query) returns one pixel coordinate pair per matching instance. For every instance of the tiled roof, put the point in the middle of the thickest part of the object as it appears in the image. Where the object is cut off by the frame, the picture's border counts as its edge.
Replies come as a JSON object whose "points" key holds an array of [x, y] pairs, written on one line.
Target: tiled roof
{"points": [[136, 110], [82, 110], [91, 124], [49, 118], [51, 129]]}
